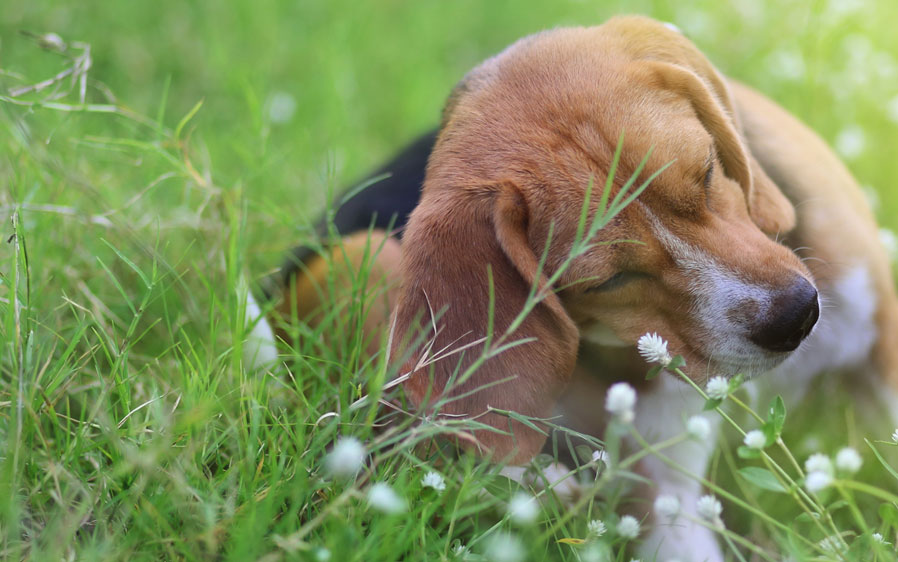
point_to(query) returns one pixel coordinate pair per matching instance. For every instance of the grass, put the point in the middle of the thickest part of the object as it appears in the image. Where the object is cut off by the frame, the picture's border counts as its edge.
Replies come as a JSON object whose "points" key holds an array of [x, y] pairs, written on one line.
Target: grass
{"points": [[130, 426]]}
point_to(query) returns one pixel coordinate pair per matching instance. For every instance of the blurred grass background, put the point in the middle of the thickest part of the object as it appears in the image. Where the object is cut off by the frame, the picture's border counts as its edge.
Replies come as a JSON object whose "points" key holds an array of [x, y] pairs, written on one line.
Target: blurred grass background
{"points": [[298, 99]]}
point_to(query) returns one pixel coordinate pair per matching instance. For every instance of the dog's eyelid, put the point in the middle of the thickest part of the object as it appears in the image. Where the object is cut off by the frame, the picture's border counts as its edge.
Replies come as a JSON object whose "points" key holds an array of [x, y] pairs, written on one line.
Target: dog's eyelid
{"points": [[617, 280]]}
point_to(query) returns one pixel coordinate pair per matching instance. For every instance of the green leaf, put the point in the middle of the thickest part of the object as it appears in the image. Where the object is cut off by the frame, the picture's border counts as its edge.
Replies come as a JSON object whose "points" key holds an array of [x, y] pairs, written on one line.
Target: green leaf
{"points": [[711, 404], [736, 382], [762, 478], [187, 118], [676, 363], [654, 372], [747, 452], [776, 415], [881, 460]]}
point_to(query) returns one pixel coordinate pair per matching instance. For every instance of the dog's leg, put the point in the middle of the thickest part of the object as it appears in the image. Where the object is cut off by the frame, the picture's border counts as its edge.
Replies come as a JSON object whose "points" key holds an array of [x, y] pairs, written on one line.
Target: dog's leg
{"points": [[661, 413]]}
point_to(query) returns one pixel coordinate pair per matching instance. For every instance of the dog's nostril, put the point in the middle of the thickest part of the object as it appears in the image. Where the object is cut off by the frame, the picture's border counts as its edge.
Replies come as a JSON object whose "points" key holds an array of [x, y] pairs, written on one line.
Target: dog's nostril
{"points": [[792, 317]]}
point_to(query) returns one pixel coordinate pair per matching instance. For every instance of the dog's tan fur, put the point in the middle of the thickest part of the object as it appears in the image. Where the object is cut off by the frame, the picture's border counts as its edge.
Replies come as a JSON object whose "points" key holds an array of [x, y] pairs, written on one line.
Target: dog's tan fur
{"points": [[523, 136]]}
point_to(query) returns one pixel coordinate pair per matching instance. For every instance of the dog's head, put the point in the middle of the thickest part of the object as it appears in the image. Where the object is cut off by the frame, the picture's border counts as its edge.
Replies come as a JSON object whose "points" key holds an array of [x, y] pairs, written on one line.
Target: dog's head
{"points": [[694, 258]]}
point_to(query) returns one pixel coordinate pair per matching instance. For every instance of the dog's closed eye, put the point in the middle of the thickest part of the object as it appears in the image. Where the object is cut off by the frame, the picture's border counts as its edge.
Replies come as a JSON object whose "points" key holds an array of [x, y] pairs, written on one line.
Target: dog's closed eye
{"points": [[617, 281]]}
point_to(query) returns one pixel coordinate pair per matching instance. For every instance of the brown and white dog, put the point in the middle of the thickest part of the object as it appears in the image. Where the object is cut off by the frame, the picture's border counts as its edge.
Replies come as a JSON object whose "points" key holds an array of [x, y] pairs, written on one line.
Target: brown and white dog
{"points": [[753, 231]]}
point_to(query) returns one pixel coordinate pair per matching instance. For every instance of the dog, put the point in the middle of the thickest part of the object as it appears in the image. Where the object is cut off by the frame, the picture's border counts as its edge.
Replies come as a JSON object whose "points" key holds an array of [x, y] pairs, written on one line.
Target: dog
{"points": [[752, 251]]}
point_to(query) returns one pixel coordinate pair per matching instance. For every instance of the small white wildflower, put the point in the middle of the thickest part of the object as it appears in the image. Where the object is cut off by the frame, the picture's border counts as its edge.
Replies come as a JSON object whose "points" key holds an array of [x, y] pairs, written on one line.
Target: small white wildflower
{"points": [[596, 528], [667, 506], [817, 481], [523, 509], [346, 458], [433, 480], [848, 460], [461, 551], [620, 401], [895, 436], [818, 462], [281, 107], [717, 388], [382, 498], [653, 349], [877, 537], [505, 547], [708, 507], [601, 457], [628, 527], [698, 427], [755, 439], [851, 142], [832, 544]]}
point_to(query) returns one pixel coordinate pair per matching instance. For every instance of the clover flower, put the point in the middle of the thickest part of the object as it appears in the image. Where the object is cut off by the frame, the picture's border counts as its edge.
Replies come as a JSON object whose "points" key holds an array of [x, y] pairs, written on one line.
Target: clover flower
{"points": [[628, 527], [717, 388], [620, 401], [667, 506], [433, 480], [708, 507], [818, 462], [596, 528], [505, 547], [653, 349], [346, 458], [755, 439], [848, 460], [523, 509], [817, 481], [382, 498], [698, 427]]}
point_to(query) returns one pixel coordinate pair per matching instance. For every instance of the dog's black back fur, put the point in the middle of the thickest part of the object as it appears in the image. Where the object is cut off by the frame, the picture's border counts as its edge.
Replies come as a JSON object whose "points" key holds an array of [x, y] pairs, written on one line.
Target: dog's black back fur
{"points": [[386, 203]]}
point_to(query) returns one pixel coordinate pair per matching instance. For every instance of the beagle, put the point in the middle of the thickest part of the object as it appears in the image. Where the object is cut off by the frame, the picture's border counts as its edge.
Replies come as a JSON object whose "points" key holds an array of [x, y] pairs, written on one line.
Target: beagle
{"points": [[752, 252]]}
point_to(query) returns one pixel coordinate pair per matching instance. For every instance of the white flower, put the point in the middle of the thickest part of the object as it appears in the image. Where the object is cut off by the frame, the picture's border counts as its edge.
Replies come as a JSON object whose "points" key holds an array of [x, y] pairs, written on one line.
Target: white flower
{"points": [[433, 480], [628, 527], [346, 458], [595, 528], [601, 457], [281, 107], [717, 388], [817, 481], [755, 439], [620, 401], [708, 507], [382, 498], [848, 460], [523, 509], [461, 551], [504, 547], [667, 506], [851, 142], [818, 462], [878, 538], [653, 349], [698, 427], [832, 544], [895, 436], [322, 554]]}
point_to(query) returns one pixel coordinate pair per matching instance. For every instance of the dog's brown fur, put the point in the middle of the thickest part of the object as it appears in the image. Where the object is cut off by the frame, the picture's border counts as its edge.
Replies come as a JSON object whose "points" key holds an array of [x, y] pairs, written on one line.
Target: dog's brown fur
{"points": [[523, 136]]}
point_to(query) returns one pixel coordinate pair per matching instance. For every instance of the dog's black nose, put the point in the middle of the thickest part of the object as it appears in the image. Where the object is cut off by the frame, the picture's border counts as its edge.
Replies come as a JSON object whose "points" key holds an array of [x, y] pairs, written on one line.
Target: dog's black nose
{"points": [[791, 317]]}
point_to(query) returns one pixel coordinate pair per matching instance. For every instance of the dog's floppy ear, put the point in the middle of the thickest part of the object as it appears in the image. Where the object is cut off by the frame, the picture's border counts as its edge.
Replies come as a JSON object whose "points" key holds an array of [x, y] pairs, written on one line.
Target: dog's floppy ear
{"points": [[767, 205], [453, 237], [681, 67]]}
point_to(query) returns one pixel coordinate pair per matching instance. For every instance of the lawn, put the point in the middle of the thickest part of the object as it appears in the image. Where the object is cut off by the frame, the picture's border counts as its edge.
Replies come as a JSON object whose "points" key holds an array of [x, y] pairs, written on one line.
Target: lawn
{"points": [[209, 139]]}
